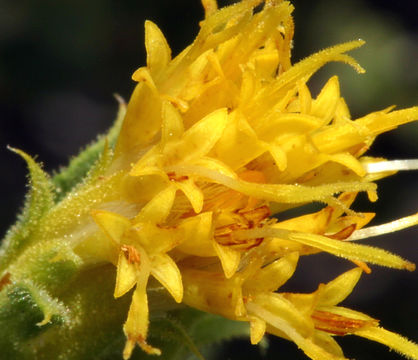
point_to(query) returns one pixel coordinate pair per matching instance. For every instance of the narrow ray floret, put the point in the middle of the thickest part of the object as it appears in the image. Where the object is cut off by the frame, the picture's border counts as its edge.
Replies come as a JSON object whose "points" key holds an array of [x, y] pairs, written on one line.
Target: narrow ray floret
{"points": [[215, 144]]}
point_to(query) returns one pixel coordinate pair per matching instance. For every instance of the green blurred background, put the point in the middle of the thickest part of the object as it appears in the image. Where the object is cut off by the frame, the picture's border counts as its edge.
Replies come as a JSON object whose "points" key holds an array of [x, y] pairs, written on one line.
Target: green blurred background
{"points": [[61, 61]]}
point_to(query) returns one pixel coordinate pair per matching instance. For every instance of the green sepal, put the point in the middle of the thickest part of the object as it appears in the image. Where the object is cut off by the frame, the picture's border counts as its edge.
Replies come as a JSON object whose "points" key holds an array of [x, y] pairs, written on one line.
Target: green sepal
{"points": [[39, 201], [50, 263], [88, 159]]}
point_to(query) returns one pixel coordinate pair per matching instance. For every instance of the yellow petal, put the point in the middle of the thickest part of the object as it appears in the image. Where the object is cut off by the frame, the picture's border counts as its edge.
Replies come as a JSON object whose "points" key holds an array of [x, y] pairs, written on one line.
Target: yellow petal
{"points": [[282, 308], [141, 189], [327, 342], [248, 87], [155, 238], [136, 326], [212, 292], [157, 210], [342, 113], [158, 51], [278, 155], [210, 7], [265, 63], [197, 234], [257, 329], [253, 36], [315, 223], [274, 275], [338, 289], [359, 220], [325, 105], [140, 170], [346, 199], [144, 108], [198, 140], [284, 126], [165, 270], [229, 257], [305, 99], [215, 165], [193, 193], [314, 349], [126, 276], [305, 303], [172, 125], [113, 225], [348, 161], [144, 75], [339, 138], [283, 325], [200, 76], [238, 144]]}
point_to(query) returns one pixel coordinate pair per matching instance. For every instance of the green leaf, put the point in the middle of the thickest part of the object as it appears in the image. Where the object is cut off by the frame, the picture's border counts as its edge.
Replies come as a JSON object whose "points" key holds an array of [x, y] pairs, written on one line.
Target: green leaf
{"points": [[22, 309], [39, 201], [175, 340], [188, 333], [86, 322]]}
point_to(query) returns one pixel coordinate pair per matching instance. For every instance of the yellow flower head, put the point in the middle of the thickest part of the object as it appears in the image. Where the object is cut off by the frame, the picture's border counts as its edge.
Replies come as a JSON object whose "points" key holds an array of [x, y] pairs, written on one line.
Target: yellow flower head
{"points": [[216, 141]]}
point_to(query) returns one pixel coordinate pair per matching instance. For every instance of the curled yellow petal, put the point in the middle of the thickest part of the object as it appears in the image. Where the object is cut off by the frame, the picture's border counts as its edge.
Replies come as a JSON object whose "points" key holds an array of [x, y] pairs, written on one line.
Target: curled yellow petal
{"points": [[165, 270], [157, 210], [126, 275], [113, 225], [229, 258], [257, 329], [197, 235], [193, 193], [282, 325], [172, 124], [198, 140], [158, 51], [325, 105], [338, 289], [274, 275]]}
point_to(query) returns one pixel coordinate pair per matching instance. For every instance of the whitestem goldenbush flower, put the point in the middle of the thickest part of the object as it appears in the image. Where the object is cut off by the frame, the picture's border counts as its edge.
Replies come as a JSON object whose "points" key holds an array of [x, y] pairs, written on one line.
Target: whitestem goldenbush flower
{"points": [[213, 143]]}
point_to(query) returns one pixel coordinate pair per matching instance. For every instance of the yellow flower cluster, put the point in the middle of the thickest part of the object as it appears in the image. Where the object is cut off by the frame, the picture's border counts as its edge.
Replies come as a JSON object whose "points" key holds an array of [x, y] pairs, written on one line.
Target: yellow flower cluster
{"points": [[213, 143]]}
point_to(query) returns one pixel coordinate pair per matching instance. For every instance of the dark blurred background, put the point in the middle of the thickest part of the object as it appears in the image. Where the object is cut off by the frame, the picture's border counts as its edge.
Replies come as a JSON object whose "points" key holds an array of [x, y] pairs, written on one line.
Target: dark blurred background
{"points": [[61, 61]]}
